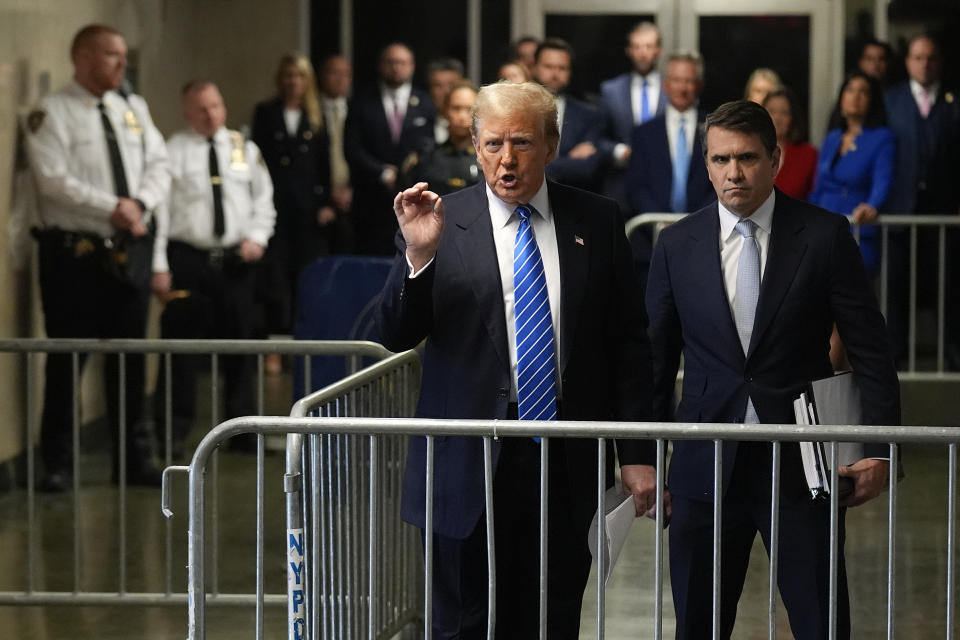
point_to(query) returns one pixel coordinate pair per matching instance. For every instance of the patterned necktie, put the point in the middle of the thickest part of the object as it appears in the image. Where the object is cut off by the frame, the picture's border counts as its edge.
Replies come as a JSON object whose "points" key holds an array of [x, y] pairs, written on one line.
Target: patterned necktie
{"points": [[219, 224], [748, 290], [681, 166], [396, 120], [924, 102], [536, 382], [113, 149], [644, 102]]}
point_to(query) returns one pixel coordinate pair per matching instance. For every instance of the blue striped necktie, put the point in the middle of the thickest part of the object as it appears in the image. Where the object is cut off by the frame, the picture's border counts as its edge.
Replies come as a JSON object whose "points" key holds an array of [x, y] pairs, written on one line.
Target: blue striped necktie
{"points": [[536, 369], [748, 291]]}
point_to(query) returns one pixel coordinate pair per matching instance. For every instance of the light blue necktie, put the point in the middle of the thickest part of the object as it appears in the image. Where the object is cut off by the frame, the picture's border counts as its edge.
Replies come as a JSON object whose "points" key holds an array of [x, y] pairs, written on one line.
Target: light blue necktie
{"points": [[681, 166], [644, 103], [536, 382], [748, 290]]}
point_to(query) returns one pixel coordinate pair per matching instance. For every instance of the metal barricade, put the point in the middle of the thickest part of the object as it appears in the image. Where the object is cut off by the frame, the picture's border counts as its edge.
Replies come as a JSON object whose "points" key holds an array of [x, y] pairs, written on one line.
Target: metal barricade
{"points": [[333, 532], [351, 563], [379, 428], [915, 369], [123, 545]]}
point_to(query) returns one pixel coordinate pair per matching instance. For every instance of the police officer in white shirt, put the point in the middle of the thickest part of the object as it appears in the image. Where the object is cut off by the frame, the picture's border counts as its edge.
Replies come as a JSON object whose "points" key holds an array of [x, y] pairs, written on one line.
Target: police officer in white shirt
{"points": [[221, 216], [101, 171]]}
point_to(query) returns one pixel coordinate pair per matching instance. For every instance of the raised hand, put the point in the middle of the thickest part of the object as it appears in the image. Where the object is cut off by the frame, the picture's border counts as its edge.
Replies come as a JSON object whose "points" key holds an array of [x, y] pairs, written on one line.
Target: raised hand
{"points": [[420, 216]]}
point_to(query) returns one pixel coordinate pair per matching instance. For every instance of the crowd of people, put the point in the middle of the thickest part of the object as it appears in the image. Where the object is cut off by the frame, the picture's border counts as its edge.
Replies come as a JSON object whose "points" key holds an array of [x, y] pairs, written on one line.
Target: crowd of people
{"points": [[496, 193]]}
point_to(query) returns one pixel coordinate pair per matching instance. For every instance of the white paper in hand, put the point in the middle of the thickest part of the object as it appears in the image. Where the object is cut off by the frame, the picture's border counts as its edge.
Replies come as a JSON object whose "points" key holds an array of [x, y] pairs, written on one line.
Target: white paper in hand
{"points": [[620, 513]]}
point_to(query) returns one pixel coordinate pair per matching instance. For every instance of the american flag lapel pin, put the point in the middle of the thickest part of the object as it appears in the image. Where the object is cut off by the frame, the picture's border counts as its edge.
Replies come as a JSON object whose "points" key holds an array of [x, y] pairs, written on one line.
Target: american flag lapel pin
{"points": [[578, 240]]}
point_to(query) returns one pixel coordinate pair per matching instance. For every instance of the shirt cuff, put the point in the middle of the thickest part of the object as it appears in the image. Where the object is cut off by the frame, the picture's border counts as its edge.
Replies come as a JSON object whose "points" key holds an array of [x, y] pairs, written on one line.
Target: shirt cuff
{"points": [[414, 273], [620, 151]]}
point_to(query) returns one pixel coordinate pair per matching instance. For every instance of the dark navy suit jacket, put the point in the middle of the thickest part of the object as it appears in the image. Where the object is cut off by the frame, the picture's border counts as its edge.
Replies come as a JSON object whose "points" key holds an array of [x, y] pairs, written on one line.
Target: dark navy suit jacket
{"points": [[369, 148], [618, 128], [650, 175], [456, 304], [944, 136], [581, 123], [813, 278]]}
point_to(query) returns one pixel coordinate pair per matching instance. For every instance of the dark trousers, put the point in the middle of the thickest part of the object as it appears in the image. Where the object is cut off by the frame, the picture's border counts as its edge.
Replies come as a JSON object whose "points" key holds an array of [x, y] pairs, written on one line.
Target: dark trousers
{"points": [[82, 300], [803, 569], [460, 566], [219, 303]]}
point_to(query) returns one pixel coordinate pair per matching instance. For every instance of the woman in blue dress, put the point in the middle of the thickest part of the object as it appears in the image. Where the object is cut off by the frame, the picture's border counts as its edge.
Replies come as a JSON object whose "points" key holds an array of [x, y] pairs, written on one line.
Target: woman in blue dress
{"points": [[855, 169]]}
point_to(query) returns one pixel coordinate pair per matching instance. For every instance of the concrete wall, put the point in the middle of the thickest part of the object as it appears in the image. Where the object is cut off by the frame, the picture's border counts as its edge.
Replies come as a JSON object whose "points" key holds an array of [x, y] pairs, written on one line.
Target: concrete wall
{"points": [[233, 42]]}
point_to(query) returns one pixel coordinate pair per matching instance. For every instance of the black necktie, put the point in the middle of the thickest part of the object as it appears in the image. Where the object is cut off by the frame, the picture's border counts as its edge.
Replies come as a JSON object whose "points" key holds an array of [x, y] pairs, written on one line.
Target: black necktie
{"points": [[219, 225], [116, 162]]}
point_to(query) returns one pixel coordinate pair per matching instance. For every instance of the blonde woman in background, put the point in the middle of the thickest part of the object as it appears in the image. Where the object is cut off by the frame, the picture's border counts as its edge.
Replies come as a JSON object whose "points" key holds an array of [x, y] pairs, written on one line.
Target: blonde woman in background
{"points": [[760, 83], [290, 132]]}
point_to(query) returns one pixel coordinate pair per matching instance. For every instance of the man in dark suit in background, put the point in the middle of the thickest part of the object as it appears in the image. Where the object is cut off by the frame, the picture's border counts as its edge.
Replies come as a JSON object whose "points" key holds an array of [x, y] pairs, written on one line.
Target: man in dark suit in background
{"points": [[925, 118], [566, 341], [384, 125], [748, 289], [628, 100], [665, 172], [577, 162]]}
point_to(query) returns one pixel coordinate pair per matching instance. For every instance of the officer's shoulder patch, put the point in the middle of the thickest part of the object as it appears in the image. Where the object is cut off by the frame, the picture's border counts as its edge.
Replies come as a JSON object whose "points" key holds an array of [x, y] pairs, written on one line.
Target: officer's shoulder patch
{"points": [[35, 120]]}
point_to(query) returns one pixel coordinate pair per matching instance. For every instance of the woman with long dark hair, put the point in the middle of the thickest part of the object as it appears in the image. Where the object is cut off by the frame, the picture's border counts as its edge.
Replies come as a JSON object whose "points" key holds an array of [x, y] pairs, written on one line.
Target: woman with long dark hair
{"points": [[855, 170]]}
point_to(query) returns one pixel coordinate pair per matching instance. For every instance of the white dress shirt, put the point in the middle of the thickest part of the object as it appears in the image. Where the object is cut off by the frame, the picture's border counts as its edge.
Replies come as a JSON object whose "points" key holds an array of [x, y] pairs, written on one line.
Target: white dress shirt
{"points": [[561, 111], [67, 150], [689, 118], [653, 93], [399, 96], [291, 118], [505, 224], [731, 243], [917, 89], [247, 191]]}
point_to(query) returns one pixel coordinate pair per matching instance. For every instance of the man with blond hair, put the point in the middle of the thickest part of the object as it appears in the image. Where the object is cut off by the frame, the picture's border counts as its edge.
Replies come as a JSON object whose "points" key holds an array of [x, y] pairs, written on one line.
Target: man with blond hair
{"points": [[523, 291]]}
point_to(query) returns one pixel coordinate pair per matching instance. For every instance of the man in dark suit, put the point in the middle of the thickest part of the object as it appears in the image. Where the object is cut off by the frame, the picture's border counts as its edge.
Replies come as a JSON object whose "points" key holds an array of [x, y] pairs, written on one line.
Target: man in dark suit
{"points": [[665, 175], [665, 172], [453, 284], [384, 124], [577, 162], [925, 119], [748, 290], [628, 100]]}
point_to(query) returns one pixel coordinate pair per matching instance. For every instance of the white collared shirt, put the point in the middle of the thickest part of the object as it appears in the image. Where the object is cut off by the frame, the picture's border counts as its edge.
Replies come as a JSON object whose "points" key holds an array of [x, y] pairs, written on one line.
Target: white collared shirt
{"points": [[399, 96], [505, 224], [653, 93], [247, 192], [561, 111], [731, 243], [674, 117], [917, 89], [291, 119], [68, 155]]}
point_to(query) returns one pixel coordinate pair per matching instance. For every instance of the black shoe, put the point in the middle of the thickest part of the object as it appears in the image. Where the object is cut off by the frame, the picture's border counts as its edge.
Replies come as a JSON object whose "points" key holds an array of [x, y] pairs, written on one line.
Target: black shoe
{"points": [[55, 482]]}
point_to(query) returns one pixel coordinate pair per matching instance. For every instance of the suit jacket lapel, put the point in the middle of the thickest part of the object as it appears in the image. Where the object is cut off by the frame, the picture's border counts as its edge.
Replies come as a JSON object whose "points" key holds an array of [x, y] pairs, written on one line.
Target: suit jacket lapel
{"points": [[478, 254], [786, 248], [574, 262]]}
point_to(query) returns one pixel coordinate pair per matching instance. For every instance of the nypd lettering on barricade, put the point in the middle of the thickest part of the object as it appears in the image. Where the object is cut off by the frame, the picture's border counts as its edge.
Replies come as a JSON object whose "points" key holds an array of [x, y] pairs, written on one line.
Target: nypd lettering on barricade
{"points": [[295, 585]]}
